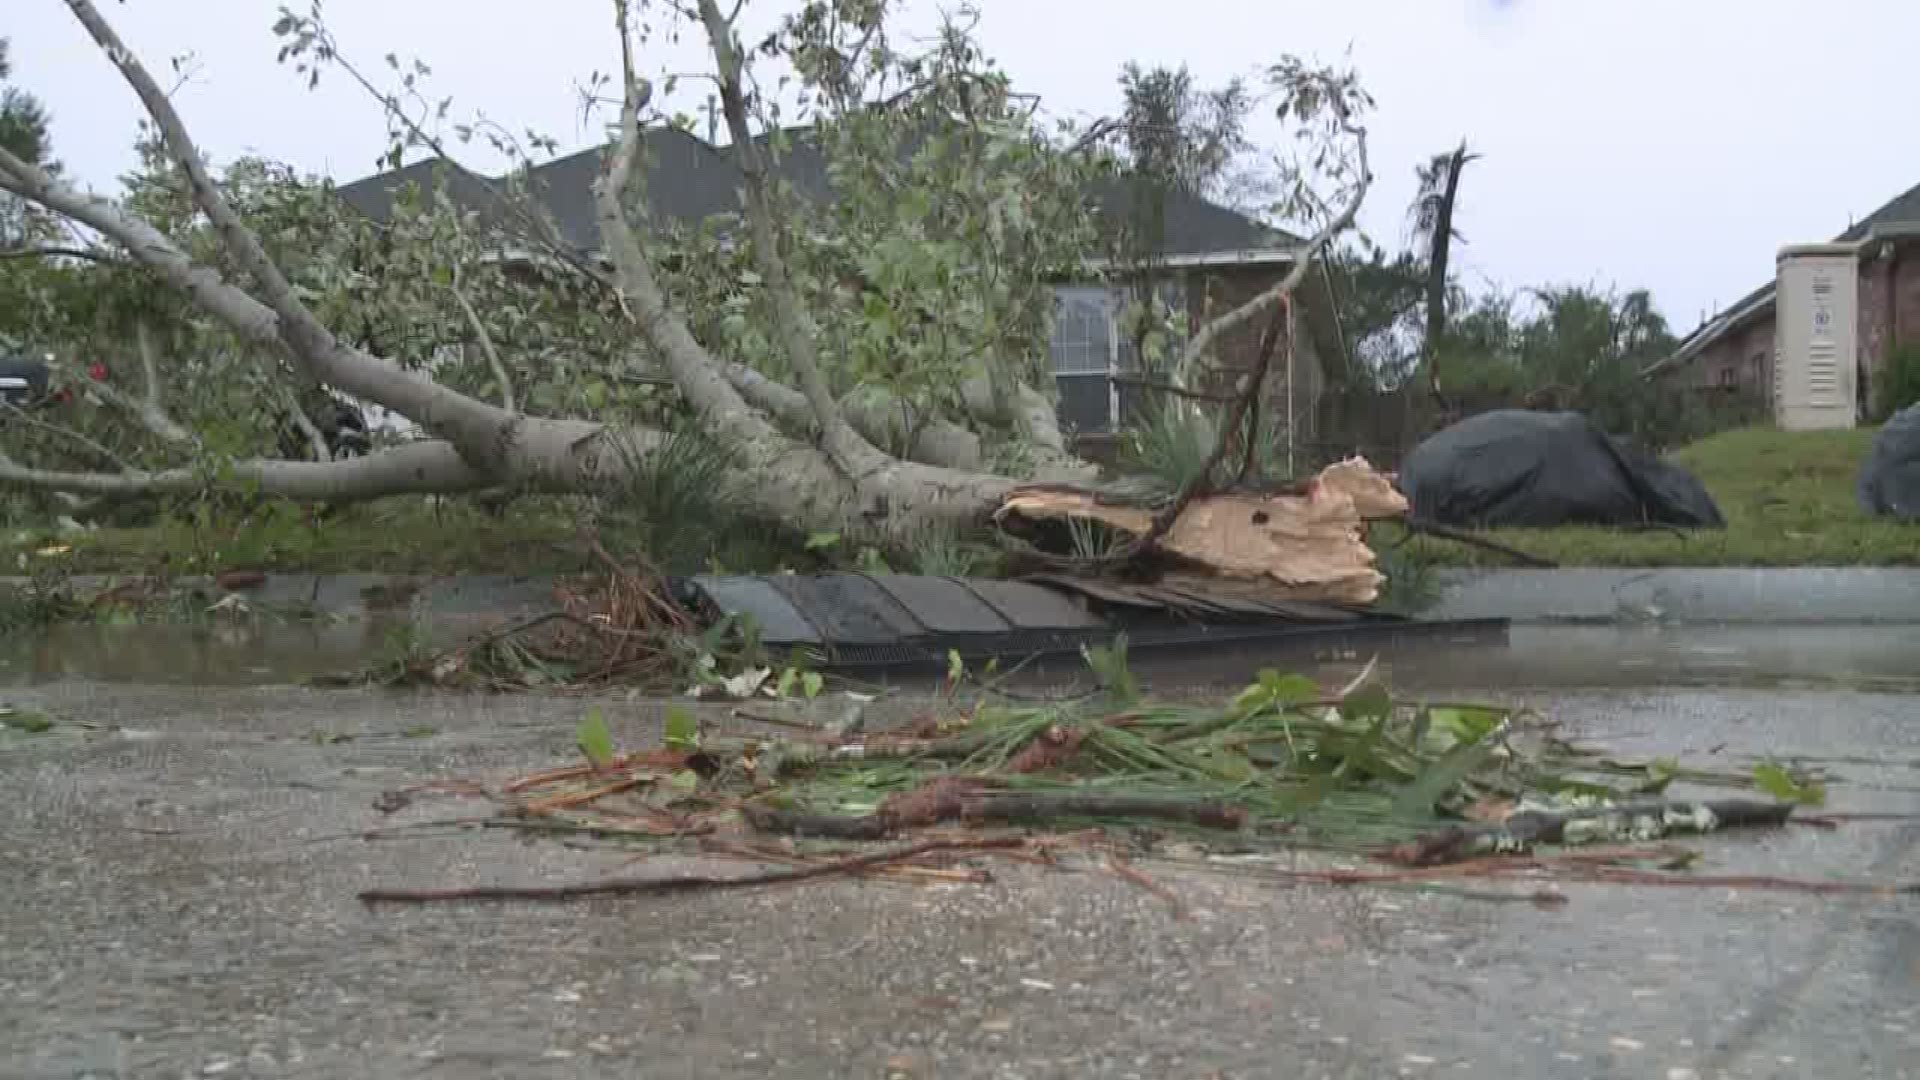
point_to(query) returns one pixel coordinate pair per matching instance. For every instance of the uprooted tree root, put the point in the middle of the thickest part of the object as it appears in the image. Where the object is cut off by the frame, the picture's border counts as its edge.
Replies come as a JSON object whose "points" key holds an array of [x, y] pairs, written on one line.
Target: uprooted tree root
{"points": [[1438, 792]]}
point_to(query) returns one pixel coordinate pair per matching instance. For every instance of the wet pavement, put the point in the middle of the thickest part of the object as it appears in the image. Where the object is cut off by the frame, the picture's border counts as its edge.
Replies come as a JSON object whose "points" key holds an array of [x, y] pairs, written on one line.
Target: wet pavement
{"points": [[178, 901]]}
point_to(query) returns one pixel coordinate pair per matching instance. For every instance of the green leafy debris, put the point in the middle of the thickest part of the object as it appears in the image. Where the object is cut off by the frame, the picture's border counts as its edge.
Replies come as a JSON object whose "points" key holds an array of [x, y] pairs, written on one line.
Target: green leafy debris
{"points": [[683, 729], [1775, 780], [594, 740], [30, 721]]}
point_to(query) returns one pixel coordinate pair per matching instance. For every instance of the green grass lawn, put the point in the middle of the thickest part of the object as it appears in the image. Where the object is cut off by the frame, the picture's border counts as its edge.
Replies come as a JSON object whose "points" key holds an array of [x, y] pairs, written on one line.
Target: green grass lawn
{"points": [[403, 536], [1788, 498]]}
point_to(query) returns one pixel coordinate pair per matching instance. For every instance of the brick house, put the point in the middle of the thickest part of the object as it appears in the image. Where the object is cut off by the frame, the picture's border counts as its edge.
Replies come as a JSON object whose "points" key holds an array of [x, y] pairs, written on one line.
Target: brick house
{"points": [[1211, 259], [1873, 268]]}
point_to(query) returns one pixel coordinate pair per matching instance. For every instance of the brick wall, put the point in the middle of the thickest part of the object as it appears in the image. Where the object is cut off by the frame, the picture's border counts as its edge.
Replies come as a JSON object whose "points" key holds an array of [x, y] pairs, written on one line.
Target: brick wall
{"points": [[1889, 306], [1741, 361]]}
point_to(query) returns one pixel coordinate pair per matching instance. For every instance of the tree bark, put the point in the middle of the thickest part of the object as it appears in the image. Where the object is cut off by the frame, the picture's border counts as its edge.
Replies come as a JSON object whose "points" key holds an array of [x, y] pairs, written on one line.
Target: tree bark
{"points": [[1439, 250]]}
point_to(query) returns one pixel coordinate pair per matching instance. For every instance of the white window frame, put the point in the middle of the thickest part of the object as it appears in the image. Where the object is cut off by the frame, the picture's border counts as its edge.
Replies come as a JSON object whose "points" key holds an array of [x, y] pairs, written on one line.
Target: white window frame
{"points": [[1083, 297]]}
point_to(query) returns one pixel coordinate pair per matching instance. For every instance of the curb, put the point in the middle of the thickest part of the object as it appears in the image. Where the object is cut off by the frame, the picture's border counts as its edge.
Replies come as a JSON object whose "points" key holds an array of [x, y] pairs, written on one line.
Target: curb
{"points": [[1682, 596]]}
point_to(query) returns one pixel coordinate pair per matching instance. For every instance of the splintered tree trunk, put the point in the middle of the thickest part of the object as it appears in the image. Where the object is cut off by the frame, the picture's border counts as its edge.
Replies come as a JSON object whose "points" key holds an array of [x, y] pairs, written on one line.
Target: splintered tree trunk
{"points": [[1439, 251]]}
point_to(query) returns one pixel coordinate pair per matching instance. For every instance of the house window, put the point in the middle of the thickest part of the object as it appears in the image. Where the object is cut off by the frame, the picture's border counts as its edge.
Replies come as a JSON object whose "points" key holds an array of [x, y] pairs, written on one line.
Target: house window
{"points": [[1084, 350], [1087, 349]]}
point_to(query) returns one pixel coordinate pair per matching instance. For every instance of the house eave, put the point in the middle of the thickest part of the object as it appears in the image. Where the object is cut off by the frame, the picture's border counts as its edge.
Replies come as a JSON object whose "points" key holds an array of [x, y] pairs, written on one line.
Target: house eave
{"points": [[1202, 259]]}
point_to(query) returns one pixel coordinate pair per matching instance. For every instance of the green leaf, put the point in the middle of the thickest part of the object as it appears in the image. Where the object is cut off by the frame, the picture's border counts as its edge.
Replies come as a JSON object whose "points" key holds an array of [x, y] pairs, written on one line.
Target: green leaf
{"points": [[784, 685], [683, 729], [1289, 689], [1781, 784], [821, 540], [811, 684], [686, 781], [956, 667], [1466, 724], [1433, 784], [594, 740]]}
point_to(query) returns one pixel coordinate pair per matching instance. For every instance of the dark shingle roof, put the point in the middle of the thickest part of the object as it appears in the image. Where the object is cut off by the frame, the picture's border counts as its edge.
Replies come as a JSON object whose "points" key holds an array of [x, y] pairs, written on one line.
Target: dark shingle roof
{"points": [[688, 180], [1191, 226], [374, 195], [1903, 210]]}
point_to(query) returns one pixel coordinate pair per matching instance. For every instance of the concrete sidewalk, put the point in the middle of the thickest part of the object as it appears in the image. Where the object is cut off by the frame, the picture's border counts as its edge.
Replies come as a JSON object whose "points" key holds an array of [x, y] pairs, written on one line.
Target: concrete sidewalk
{"points": [[1674, 596], [178, 902]]}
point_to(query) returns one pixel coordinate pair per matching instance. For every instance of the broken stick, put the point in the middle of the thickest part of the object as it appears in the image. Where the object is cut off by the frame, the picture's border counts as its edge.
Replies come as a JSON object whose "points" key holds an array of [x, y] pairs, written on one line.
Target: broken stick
{"points": [[684, 882]]}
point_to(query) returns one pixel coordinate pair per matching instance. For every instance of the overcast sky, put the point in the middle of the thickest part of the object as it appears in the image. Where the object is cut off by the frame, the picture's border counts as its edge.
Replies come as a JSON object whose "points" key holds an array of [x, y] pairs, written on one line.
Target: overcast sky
{"points": [[1667, 144]]}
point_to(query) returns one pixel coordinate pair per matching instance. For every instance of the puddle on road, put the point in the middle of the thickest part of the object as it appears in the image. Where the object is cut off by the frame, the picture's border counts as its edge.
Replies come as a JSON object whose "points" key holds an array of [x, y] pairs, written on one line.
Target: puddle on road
{"points": [[1534, 657], [192, 655]]}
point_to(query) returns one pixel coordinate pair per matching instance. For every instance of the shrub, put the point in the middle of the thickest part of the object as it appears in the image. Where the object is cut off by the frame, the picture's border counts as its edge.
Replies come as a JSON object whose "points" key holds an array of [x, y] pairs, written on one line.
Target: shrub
{"points": [[1897, 384]]}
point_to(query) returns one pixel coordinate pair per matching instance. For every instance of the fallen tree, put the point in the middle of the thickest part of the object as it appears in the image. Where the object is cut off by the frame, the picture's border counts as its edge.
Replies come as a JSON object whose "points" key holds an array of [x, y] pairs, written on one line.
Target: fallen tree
{"points": [[806, 451]]}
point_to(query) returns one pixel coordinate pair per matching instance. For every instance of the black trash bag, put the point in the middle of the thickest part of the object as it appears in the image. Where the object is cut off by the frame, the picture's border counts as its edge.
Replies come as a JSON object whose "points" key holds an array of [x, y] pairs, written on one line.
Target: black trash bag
{"points": [[1889, 483], [1513, 468]]}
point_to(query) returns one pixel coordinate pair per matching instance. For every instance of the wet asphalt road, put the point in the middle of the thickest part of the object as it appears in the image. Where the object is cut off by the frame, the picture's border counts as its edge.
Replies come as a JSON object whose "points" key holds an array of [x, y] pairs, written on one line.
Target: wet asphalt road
{"points": [[170, 906]]}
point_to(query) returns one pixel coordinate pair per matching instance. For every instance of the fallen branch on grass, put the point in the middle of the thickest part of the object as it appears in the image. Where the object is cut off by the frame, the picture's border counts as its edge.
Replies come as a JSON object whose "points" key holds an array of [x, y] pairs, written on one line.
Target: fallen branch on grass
{"points": [[685, 882], [1461, 536]]}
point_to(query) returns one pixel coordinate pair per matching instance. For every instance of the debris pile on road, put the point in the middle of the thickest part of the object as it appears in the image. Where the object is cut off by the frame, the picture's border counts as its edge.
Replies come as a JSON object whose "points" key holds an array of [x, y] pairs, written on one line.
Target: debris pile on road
{"points": [[1434, 788]]}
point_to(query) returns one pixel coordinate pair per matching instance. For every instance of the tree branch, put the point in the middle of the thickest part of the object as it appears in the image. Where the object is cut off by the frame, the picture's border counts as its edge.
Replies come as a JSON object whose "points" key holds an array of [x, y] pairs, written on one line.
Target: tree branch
{"points": [[66, 498], [58, 252], [22, 416], [290, 404], [874, 411], [855, 456], [1304, 256], [548, 235], [283, 319], [152, 410], [1177, 391], [302, 332], [155, 421], [486, 344], [427, 467], [1249, 393], [694, 373]]}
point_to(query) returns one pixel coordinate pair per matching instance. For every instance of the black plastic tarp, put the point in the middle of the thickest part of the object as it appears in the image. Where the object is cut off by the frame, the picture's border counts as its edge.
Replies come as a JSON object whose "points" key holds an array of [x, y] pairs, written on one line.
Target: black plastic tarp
{"points": [[1889, 484], [1513, 468]]}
